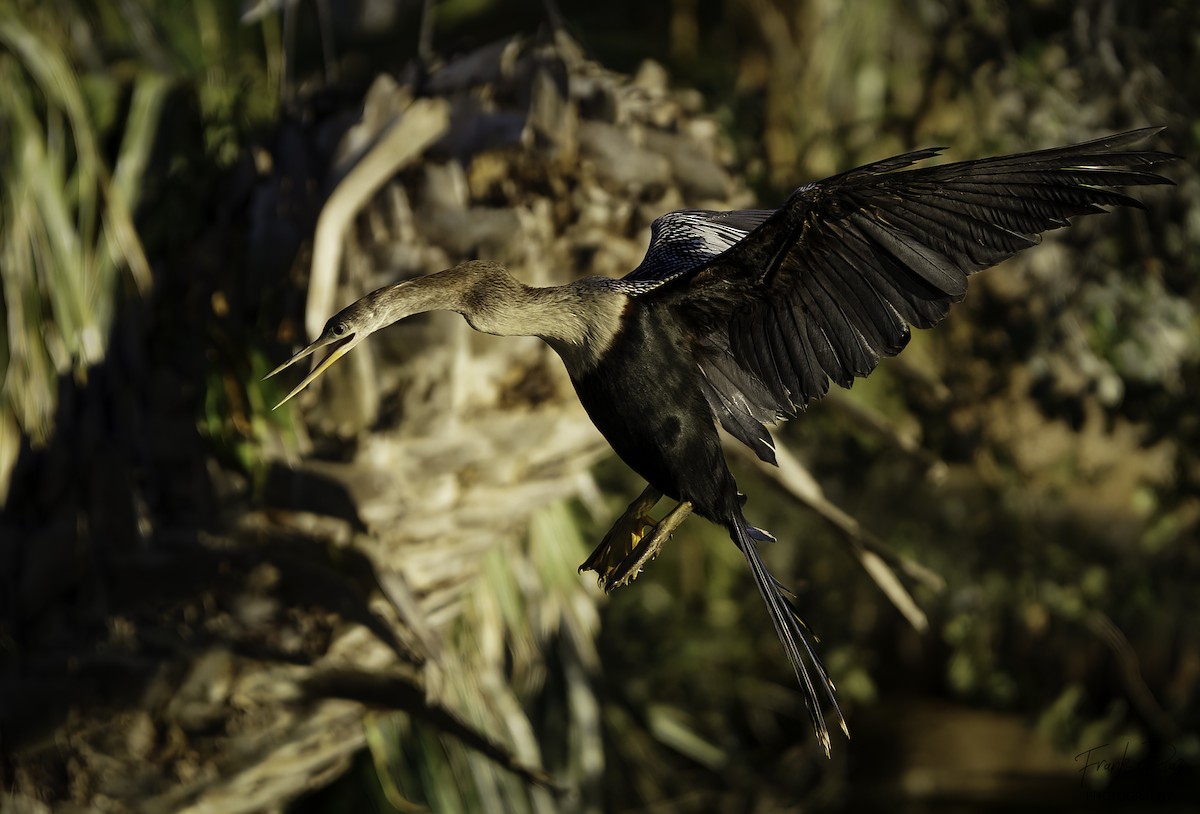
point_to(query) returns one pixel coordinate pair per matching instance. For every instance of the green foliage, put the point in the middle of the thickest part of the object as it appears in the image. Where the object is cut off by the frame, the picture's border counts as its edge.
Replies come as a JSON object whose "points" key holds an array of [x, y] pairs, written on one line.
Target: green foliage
{"points": [[67, 230], [86, 92]]}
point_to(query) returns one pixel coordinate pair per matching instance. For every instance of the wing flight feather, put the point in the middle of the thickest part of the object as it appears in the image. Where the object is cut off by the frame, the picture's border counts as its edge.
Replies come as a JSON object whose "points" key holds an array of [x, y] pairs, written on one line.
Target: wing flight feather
{"points": [[781, 303]]}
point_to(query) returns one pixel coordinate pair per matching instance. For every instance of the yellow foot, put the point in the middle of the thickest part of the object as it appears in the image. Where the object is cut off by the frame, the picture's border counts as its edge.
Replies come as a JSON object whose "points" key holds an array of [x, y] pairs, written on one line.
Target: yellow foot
{"points": [[628, 569], [624, 536]]}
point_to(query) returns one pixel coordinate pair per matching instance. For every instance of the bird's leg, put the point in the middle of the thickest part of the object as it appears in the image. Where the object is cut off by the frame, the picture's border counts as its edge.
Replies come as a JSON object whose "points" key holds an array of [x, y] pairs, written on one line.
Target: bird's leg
{"points": [[624, 536], [629, 568]]}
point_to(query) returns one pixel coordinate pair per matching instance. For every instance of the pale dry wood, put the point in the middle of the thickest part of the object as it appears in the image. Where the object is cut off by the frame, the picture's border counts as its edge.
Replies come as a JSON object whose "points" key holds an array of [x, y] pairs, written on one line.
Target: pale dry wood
{"points": [[415, 128]]}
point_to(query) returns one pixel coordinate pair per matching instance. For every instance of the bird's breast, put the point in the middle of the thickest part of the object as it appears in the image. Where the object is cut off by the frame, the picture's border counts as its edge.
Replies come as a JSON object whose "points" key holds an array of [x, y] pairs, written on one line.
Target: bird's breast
{"points": [[644, 396], [586, 320]]}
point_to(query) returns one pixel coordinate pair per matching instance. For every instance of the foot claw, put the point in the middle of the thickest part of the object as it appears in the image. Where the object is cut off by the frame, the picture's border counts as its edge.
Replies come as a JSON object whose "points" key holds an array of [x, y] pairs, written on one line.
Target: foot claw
{"points": [[632, 565], [623, 537]]}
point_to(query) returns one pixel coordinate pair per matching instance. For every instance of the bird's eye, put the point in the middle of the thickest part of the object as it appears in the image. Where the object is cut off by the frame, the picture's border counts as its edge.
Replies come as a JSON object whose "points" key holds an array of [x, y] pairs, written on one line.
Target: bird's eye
{"points": [[339, 329]]}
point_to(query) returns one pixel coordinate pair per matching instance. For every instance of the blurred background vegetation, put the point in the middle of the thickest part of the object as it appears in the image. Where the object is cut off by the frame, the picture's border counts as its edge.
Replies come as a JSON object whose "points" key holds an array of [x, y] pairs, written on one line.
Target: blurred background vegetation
{"points": [[186, 577]]}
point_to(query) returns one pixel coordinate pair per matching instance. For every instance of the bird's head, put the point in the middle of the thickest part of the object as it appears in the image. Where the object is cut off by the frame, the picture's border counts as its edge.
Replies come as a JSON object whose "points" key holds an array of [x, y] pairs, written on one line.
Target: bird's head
{"points": [[475, 289], [480, 291], [341, 334]]}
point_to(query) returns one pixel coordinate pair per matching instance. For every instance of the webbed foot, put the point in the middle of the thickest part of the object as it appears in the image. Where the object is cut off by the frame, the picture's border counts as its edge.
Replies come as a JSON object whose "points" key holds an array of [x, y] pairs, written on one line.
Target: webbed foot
{"points": [[622, 539], [628, 569]]}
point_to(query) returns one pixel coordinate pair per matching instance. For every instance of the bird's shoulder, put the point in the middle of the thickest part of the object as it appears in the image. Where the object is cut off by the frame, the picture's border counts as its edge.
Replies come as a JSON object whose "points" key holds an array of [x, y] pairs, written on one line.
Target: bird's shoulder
{"points": [[687, 239]]}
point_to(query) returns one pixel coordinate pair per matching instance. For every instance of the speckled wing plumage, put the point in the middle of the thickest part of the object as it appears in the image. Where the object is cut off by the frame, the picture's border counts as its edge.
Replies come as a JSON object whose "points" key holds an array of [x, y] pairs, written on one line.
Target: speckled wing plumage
{"points": [[686, 240], [830, 282]]}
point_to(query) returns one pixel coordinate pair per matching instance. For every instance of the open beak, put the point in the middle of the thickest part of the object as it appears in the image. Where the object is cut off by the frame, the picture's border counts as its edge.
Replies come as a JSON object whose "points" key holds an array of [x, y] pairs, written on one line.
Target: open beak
{"points": [[339, 348]]}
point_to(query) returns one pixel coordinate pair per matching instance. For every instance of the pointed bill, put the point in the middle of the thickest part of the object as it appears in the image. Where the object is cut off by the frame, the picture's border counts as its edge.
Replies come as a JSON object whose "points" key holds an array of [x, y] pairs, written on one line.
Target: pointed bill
{"points": [[340, 346]]}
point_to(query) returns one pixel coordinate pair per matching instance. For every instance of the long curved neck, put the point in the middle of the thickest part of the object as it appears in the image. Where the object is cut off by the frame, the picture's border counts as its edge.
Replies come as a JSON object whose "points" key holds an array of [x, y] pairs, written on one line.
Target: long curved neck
{"points": [[579, 320]]}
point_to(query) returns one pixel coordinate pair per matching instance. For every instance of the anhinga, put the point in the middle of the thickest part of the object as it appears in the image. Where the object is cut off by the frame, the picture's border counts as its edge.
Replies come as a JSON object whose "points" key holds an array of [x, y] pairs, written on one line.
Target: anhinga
{"points": [[742, 318]]}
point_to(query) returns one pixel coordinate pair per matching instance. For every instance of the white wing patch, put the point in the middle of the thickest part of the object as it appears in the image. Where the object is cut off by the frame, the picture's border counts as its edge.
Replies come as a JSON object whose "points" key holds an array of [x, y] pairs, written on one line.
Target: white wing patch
{"points": [[685, 240]]}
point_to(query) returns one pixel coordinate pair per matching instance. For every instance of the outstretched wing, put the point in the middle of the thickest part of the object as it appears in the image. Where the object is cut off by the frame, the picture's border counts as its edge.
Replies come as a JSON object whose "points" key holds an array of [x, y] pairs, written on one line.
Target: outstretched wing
{"points": [[686, 240], [832, 281]]}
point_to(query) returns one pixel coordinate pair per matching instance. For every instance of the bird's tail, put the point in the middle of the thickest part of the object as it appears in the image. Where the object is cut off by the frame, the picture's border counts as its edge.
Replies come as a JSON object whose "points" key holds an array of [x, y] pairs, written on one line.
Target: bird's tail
{"points": [[794, 634]]}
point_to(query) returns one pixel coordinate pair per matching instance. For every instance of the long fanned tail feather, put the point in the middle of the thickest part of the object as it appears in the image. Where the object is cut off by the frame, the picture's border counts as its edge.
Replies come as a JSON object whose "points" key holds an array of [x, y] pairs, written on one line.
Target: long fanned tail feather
{"points": [[794, 635]]}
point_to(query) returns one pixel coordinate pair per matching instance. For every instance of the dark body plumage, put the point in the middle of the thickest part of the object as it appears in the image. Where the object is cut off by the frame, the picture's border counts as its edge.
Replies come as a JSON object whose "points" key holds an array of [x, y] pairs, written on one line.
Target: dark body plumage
{"points": [[743, 318], [645, 397]]}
